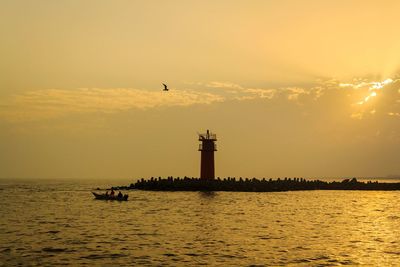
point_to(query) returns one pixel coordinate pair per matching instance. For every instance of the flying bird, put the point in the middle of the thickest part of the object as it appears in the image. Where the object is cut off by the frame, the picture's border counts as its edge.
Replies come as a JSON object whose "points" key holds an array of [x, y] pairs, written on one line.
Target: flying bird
{"points": [[165, 87]]}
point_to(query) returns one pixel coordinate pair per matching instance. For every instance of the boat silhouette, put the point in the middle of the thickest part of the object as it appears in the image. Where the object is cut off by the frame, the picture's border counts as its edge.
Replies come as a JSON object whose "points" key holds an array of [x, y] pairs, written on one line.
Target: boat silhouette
{"points": [[109, 197]]}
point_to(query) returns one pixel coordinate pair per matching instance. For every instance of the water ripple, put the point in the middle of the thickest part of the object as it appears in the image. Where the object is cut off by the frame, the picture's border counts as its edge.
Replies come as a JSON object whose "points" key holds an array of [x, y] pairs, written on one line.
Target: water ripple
{"points": [[57, 224]]}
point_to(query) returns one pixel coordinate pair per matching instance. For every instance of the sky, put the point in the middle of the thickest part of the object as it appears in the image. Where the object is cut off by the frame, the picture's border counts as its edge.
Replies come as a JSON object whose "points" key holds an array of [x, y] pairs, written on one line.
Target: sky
{"points": [[291, 88]]}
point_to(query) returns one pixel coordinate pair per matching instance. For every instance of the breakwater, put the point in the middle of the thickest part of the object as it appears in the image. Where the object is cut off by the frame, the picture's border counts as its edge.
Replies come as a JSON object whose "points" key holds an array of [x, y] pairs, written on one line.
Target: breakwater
{"points": [[254, 185]]}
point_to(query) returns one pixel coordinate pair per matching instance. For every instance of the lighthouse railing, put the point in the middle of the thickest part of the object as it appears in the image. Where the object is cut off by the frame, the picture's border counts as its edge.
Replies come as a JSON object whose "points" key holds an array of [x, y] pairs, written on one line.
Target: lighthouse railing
{"points": [[207, 136]]}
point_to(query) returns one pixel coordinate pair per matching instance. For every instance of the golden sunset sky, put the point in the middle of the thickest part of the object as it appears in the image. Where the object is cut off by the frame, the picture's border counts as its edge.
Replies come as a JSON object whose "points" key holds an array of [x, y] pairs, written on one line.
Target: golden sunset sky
{"points": [[291, 88]]}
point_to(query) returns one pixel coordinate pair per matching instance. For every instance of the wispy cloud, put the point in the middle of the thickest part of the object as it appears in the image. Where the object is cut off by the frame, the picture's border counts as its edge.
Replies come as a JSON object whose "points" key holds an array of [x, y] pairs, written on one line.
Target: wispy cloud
{"points": [[242, 93], [54, 103], [359, 93], [44, 104], [225, 85]]}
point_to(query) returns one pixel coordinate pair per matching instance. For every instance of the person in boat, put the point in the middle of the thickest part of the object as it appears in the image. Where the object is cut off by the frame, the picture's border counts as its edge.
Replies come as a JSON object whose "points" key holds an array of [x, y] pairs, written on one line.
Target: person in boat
{"points": [[112, 193], [106, 193], [119, 194]]}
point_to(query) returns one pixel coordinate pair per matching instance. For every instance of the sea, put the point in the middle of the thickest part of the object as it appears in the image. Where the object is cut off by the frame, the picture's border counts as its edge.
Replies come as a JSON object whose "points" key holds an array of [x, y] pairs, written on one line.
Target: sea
{"points": [[58, 222]]}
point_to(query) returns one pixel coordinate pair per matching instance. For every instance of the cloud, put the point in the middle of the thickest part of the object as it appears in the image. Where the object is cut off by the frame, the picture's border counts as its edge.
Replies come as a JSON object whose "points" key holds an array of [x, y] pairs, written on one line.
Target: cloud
{"points": [[260, 93], [52, 103], [373, 97], [249, 93], [242, 92], [360, 98], [294, 93], [225, 85]]}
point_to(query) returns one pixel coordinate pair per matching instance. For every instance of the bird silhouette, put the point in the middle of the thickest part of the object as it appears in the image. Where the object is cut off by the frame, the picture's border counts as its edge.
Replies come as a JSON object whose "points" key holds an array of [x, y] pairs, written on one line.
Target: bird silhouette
{"points": [[165, 87]]}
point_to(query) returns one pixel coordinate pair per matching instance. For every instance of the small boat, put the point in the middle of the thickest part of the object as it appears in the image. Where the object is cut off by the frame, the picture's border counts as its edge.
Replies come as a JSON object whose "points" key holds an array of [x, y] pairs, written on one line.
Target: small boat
{"points": [[108, 197]]}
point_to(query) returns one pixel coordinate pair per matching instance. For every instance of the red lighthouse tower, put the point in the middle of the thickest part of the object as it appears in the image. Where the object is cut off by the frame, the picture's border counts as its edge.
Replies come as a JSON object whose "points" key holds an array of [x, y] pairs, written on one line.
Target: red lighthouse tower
{"points": [[207, 148]]}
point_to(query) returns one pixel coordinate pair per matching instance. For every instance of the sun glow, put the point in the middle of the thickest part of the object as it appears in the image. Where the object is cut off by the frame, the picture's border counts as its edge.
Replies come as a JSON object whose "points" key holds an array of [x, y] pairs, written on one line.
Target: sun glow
{"points": [[372, 94], [365, 91], [373, 87]]}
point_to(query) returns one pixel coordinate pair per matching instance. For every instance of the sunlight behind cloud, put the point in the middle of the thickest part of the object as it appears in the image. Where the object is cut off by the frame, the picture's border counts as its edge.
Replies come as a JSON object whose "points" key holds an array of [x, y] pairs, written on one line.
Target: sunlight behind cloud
{"points": [[372, 87]]}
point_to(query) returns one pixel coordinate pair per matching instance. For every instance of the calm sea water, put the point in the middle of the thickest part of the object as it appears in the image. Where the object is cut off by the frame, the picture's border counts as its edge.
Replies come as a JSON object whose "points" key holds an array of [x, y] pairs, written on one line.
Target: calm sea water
{"points": [[44, 223]]}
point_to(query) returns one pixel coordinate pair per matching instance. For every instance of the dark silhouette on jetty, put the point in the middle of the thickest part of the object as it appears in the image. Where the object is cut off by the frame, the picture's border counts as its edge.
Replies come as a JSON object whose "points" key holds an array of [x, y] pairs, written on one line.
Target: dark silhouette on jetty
{"points": [[254, 185]]}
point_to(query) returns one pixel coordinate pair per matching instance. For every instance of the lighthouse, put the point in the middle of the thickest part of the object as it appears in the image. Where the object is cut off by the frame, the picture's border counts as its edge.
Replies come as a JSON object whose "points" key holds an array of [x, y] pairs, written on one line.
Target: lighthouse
{"points": [[207, 148]]}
